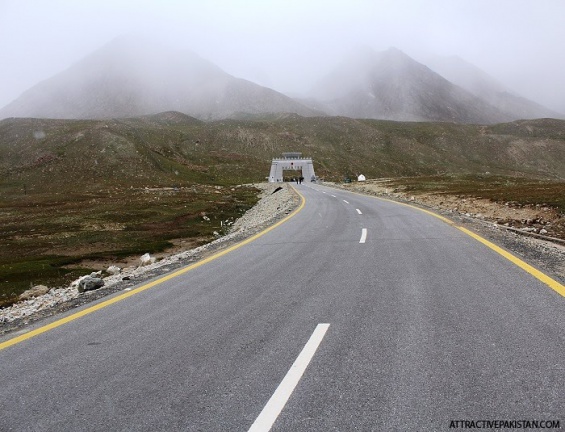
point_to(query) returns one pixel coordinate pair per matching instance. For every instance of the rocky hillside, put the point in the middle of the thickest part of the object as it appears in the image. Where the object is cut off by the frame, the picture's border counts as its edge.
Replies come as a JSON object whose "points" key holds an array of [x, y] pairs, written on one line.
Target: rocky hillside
{"points": [[130, 78], [175, 149]]}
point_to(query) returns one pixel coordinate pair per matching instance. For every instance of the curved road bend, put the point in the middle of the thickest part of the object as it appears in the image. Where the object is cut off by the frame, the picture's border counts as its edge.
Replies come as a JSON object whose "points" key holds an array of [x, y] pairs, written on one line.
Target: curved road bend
{"points": [[426, 326]]}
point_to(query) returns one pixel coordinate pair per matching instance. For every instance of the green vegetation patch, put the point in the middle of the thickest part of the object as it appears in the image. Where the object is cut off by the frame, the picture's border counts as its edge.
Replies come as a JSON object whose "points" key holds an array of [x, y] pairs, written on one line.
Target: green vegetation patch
{"points": [[46, 236], [20, 274]]}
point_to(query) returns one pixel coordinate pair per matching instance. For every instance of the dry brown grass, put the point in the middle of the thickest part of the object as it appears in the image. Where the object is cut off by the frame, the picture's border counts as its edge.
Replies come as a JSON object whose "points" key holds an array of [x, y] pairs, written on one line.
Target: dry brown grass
{"points": [[51, 239], [511, 201]]}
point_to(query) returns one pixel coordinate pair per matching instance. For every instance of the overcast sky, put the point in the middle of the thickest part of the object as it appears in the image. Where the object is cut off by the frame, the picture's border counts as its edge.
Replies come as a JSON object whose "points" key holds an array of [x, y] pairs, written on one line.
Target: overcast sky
{"points": [[288, 44]]}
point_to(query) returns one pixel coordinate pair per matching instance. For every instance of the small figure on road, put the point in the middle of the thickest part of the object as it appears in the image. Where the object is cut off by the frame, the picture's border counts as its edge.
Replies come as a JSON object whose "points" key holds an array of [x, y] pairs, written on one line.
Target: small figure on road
{"points": [[301, 179]]}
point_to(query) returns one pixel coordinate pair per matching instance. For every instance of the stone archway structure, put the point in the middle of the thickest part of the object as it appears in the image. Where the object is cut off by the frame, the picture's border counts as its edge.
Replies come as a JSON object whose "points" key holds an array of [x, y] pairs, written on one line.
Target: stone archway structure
{"points": [[292, 161]]}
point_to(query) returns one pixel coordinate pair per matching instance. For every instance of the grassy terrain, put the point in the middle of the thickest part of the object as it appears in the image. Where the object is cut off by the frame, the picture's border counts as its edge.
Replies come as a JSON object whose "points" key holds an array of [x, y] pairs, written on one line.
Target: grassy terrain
{"points": [[179, 149], [514, 190], [46, 237]]}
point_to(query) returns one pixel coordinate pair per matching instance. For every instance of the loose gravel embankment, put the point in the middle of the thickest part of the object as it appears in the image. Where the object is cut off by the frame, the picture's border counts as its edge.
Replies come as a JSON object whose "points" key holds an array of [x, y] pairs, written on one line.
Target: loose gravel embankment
{"points": [[272, 207]]}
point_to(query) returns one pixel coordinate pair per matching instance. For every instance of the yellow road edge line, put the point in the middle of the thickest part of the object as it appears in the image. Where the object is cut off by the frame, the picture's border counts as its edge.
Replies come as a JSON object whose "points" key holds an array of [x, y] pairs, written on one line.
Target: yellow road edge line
{"points": [[142, 288], [542, 277], [553, 284]]}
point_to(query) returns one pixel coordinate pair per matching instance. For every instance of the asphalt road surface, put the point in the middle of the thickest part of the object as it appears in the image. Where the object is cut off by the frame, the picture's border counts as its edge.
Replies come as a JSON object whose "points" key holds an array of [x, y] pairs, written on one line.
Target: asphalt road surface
{"points": [[356, 314]]}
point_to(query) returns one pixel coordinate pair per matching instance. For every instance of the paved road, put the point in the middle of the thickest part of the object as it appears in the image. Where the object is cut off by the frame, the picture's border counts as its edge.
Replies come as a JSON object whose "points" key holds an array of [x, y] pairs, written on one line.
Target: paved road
{"points": [[426, 326]]}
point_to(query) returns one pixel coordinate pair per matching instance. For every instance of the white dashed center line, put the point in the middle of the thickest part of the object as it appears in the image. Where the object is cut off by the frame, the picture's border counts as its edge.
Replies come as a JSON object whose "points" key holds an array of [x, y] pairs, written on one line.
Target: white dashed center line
{"points": [[358, 211], [278, 400], [363, 235], [346, 202]]}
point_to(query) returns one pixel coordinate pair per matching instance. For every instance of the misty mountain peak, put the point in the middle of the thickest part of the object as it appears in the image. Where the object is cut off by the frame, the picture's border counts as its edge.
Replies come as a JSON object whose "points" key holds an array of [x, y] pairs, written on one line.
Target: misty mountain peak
{"points": [[484, 86], [394, 52], [136, 76], [132, 76], [363, 68], [392, 85], [148, 60]]}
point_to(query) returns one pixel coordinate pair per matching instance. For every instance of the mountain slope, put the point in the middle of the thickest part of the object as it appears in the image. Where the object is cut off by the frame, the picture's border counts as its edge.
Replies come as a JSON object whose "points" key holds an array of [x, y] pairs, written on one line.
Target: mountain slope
{"points": [[127, 78], [172, 149], [391, 85], [484, 86]]}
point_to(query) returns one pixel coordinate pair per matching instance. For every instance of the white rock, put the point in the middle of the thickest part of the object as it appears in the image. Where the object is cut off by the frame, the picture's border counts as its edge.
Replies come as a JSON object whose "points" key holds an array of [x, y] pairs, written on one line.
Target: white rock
{"points": [[146, 259], [36, 291], [114, 270]]}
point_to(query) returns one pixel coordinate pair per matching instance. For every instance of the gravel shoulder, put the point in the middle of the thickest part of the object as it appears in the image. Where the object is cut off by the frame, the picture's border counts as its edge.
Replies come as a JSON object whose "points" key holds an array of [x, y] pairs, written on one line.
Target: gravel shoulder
{"points": [[273, 206]]}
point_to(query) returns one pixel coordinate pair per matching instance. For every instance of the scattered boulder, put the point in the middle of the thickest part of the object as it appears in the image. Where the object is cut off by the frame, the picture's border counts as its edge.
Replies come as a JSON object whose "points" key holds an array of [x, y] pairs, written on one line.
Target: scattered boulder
{"points": [[114, 270], [89, 283], [146, 259], [36, 291]]}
